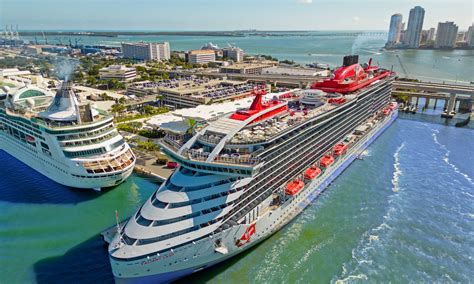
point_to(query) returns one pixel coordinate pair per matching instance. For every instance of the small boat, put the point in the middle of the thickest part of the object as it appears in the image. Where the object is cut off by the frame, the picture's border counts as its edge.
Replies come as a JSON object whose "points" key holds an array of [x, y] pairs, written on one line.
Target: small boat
{"points": [[312, 173], [294, 187], [340, 149], [326, 161]]}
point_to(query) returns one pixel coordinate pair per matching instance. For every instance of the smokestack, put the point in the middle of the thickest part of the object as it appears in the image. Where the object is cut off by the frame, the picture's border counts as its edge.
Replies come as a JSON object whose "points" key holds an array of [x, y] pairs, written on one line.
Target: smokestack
{"points": [[350, 60]]}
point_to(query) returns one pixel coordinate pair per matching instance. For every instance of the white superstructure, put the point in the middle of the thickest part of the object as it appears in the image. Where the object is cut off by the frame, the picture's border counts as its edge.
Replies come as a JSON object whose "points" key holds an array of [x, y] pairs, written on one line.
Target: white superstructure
{"points": [[66, 140]]}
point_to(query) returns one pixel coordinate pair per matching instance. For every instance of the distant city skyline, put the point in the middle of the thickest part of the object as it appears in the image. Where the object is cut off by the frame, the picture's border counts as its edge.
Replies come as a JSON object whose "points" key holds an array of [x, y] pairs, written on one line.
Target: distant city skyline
{"points": [[226, 15]]}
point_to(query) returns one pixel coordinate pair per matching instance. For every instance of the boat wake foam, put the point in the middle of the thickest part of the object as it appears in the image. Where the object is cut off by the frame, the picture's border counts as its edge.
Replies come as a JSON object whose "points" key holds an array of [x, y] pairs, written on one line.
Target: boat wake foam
{"points": [[374, 237], [446, 157], [300, 263], [271, 264], [397, 171]]}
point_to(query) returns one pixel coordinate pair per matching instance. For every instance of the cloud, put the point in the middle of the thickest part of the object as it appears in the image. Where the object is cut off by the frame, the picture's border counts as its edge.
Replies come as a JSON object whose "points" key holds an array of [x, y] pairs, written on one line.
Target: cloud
{"points": [[356, 19], [305, 1]]}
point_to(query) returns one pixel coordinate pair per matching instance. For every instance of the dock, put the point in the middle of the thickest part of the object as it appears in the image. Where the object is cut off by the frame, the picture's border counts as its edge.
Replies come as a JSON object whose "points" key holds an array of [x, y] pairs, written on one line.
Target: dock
{"points": [[146, 165]]}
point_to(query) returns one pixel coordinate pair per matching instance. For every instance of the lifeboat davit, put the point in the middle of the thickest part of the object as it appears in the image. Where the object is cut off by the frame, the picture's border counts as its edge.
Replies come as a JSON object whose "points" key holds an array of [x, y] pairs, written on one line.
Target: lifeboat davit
{"points": [[326, 161], [312, 172], [340, 149], [294, 187]]}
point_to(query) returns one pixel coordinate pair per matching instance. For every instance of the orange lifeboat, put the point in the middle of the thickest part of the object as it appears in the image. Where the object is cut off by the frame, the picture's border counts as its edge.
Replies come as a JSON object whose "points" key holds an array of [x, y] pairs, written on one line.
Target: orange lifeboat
{"points": [[312, 172], [294, 187], [326, 161], [340, 149]]}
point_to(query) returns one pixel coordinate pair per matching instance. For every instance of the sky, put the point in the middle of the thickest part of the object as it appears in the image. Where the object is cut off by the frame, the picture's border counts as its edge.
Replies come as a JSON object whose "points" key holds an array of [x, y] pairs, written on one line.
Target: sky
{"points": [[169, 15]]}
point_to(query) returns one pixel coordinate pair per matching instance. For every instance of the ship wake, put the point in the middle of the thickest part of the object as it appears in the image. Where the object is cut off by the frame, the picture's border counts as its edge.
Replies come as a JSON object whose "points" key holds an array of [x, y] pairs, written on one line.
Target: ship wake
{"points": [[397, 172], [374, 238], [446, 157]]}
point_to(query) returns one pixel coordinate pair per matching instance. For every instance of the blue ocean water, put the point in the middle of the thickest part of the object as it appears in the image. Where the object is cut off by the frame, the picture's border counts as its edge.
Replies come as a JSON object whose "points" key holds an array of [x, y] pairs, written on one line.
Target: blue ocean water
{"points": [[403, 213]]}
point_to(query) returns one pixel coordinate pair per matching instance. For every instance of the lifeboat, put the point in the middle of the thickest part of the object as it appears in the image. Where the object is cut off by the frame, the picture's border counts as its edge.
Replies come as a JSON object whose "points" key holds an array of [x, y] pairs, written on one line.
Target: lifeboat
{"points": [[312, 172], [340, 149], [326, 161], [294, 187], [30, 138]]}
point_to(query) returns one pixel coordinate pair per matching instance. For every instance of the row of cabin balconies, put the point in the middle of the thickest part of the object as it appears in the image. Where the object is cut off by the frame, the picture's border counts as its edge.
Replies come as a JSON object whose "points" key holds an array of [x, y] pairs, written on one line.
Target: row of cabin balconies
{"points": [[91, 141], [85, 135]]}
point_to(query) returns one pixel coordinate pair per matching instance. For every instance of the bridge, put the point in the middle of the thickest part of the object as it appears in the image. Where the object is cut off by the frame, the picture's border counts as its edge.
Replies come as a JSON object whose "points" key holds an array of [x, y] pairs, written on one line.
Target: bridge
{"points": [[455, 96]]}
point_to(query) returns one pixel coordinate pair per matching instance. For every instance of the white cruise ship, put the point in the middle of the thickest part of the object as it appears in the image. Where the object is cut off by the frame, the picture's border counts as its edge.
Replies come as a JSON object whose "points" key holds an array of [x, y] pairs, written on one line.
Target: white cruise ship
{"points": [[245, 175], [68, 141]]}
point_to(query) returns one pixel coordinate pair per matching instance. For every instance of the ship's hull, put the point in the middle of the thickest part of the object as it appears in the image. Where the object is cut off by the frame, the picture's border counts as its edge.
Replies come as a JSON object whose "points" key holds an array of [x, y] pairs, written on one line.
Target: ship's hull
{"points": [[56, 171], [202, 253]]}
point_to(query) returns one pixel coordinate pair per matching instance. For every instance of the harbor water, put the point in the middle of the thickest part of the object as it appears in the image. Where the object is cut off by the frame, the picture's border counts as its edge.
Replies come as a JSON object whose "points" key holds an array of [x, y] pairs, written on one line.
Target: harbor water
{"points": [[323, 47], [405, 212]]}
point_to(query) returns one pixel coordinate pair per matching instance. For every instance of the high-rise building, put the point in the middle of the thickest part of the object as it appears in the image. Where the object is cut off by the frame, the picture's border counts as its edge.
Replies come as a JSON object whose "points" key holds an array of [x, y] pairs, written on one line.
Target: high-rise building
{"points": [[395, 29], [146, 51], [431, 34], [201, 56], [446, 35], [234, 53], [470, 36], [415, 25]]}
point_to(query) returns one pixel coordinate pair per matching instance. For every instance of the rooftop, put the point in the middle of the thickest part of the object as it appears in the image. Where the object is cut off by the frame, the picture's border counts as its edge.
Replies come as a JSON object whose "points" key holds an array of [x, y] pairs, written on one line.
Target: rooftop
{"points": [[202, 51], [116, 68], [239, 66]]}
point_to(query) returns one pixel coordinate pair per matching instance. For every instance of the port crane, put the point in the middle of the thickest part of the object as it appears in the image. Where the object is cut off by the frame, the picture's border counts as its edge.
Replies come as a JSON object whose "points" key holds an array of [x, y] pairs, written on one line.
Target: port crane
{"points": [[44, 38]]}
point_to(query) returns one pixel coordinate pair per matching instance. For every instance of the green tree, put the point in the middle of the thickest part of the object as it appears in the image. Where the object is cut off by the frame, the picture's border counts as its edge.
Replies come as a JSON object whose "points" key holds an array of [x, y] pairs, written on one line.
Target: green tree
{"points": [[117, 108], [91, 81]]}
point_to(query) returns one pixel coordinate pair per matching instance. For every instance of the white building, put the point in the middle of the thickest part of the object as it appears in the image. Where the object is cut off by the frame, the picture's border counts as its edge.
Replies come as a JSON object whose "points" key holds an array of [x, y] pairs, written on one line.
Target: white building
{"points": [[395, 29], [415, 25], [146, 51], [8, 72], [470, 36], [446, 35], [201, 56], [431, 34], [119, 72], [234, 53]]}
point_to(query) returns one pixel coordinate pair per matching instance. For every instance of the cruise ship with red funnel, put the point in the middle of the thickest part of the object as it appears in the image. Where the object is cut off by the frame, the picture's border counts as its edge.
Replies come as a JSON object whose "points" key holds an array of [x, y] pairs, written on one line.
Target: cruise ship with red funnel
{"points": [[246, 174]]}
